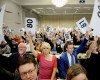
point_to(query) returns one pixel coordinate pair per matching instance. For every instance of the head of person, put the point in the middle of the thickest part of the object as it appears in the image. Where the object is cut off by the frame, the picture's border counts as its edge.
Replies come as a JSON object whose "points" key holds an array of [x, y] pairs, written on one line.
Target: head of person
{"points": [[50, 37], [76, 72], [57, 36], [54, 41], [27, 68], [13, 41], [22, 48], [2, 42], [45, 48], [9, 37], [69, 47], [16, 36]]}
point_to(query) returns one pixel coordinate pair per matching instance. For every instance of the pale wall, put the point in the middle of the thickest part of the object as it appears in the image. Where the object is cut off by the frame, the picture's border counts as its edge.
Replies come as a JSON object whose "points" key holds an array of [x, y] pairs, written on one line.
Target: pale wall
{"points": [[63, 21], [16, 19]]}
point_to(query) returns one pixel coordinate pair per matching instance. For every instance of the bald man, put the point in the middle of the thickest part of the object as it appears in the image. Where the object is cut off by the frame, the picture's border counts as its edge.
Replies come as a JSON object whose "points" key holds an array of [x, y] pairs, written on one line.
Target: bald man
{"points": [[10, 63]]}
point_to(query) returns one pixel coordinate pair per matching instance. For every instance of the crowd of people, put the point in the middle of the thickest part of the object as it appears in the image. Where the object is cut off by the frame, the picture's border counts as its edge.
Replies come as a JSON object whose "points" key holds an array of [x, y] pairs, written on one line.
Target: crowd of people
{"points": [[28, 56]]}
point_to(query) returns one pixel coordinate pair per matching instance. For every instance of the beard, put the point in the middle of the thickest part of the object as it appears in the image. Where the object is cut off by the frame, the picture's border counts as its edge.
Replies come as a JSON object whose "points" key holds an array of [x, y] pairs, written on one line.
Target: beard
{"points": [[21, 52]]}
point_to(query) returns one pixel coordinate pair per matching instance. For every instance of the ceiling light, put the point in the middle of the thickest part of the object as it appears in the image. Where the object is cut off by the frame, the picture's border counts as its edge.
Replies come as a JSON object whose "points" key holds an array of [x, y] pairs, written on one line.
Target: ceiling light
{"points": [[59, 3]]}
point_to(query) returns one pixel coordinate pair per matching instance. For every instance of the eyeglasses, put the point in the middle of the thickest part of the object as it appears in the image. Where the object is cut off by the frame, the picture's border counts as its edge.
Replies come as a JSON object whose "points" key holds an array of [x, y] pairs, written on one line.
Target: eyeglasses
{"points": [[21, 47], [30, 72]]}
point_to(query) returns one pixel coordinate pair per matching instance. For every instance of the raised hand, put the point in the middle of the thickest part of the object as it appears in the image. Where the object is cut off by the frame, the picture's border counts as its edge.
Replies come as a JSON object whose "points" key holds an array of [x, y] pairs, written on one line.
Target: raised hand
{"points": [[87, 34], [95, 38], [29, 35]]}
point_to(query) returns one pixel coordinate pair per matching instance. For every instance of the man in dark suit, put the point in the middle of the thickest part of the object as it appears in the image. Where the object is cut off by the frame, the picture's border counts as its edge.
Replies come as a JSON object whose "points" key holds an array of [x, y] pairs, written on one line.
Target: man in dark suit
{"points": [[70, 56]]}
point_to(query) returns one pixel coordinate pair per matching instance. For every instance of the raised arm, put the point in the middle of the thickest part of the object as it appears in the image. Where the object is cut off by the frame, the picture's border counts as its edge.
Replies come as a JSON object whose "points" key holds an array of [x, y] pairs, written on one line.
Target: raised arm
{"points": [[31, 44], [88, 53], [83, 43], [6, 73]]}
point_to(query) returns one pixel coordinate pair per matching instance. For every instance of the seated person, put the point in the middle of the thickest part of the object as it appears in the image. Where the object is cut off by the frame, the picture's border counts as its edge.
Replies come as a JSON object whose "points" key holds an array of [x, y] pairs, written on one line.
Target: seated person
{"points": [[27, 68], [56, 46], [76, 72], [70, 56], [4, 48]]}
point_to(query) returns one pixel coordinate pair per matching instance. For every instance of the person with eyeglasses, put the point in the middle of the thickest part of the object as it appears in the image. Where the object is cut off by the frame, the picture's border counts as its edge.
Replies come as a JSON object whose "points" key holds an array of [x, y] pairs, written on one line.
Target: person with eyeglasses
{"points": [[27, 70], [10, 63]]}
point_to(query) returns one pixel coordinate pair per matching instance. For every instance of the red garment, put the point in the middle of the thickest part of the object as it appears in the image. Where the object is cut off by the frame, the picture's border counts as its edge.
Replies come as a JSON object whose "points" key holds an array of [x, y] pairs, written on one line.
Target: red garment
{"points": [[20, 41], [46, 67], [16, 39]]}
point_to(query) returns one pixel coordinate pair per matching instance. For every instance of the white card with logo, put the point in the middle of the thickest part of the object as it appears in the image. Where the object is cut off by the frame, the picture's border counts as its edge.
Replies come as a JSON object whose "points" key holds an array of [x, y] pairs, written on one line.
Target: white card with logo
{"points": [[67, 36]]}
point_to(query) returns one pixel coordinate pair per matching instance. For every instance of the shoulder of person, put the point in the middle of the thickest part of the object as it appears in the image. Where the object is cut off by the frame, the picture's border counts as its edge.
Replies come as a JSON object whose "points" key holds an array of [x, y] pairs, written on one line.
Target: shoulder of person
{"points": [[63, 54], [58, 43]]}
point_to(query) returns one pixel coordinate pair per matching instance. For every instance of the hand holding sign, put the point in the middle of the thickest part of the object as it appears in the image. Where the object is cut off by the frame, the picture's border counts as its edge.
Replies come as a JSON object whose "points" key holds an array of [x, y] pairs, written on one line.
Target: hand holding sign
{"points": [[87, 34], [48, 29], [83, 24], [30, 25], [67, 36]]}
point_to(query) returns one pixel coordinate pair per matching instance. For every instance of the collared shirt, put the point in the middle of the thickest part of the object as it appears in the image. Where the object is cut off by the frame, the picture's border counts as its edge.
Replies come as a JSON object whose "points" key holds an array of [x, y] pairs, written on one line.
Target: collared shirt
{"points": [[69, 58], [59, 41]]}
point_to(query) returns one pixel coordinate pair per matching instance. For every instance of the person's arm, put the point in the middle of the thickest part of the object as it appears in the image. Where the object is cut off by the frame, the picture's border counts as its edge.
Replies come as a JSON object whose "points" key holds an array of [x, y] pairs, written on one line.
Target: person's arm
{"points": [[78, 36], [54, 73], [54, 69], [62, 68], [88, 53], [6, 73], [31, 45], [83, 43]]}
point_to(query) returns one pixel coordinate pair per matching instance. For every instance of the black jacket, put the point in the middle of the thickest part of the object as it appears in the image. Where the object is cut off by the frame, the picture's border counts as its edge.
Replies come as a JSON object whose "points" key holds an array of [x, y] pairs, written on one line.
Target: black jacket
{"points": [[7, 75]]}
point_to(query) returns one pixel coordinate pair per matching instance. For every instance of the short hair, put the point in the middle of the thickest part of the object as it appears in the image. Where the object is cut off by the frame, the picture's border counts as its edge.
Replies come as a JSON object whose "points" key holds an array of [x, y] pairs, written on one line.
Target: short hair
{"points": [[26, 59], [45, 45], [68, 43], [54, 39], [75, 70]]}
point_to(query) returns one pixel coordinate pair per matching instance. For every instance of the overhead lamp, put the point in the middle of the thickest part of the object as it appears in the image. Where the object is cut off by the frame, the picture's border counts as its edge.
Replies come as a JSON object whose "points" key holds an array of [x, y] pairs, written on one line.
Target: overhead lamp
{"points": [[59, 3]]}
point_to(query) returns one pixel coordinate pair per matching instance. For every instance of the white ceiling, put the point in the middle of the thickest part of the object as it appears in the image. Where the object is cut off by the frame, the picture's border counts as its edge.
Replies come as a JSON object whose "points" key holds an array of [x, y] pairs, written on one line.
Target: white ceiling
{"points": [[45, 7]]}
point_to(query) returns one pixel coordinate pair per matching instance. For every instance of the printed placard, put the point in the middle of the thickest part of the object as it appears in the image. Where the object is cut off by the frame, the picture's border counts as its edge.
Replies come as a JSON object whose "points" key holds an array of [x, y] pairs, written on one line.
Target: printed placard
{"points": [[67, 36], [83, 24], [30, 25]]}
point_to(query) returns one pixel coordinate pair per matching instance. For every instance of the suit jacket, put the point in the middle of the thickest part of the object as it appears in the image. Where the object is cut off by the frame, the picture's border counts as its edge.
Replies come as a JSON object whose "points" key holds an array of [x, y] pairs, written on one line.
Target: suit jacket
{"points": [[64, 62], [7, 75], [11, 63]]}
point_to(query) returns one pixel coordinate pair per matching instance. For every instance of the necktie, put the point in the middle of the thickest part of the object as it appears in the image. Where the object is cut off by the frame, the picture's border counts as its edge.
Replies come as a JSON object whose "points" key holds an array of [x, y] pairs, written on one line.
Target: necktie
{"points": [[72, 59]]}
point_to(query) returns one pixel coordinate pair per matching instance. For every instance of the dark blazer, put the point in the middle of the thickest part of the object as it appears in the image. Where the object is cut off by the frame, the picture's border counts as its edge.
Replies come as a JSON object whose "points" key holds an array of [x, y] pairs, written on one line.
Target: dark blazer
{"points": [[64, 62], [11, 63], [58, 48], [7, 75]]}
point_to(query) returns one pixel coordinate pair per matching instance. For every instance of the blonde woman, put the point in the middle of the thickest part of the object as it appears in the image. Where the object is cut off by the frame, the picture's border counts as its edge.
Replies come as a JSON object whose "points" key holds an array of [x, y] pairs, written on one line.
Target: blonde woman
{"points": [[48, 62]]}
